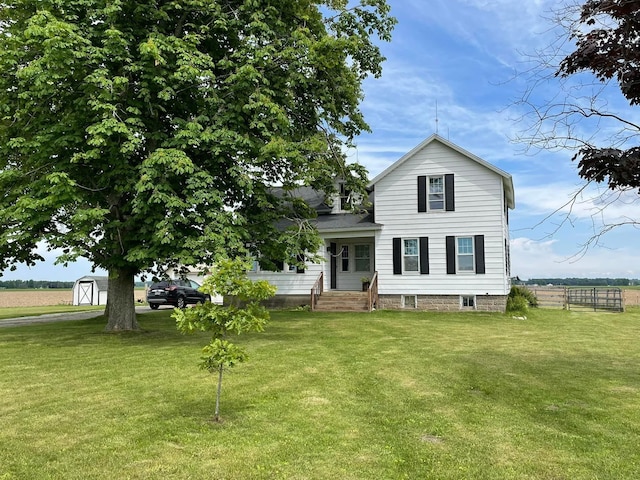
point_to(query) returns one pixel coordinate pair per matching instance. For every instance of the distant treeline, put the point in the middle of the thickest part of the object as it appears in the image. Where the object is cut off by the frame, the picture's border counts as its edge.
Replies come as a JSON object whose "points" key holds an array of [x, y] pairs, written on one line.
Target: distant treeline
{"points": [[582, 282], [13, 284], [23, 284]]}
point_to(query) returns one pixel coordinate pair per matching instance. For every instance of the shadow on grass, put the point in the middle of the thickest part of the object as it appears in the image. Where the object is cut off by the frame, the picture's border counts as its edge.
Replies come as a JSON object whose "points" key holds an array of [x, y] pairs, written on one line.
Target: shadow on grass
{"points": [[156, 328]]}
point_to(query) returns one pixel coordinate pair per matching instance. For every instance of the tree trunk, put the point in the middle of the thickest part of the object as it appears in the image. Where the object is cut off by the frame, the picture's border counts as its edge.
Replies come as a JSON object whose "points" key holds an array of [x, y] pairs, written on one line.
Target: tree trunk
{"points": [[216, 416], [121, 309]]}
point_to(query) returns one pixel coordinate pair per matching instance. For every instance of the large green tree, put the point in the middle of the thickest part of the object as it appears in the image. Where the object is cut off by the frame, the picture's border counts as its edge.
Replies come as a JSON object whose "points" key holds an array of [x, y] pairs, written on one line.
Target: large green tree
{"points": [[148, 134]]}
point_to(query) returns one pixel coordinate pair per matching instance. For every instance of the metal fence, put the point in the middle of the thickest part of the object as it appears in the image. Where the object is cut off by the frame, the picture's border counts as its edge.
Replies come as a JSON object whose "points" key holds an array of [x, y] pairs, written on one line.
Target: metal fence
{"points": [[598, 298], [573, 298]]}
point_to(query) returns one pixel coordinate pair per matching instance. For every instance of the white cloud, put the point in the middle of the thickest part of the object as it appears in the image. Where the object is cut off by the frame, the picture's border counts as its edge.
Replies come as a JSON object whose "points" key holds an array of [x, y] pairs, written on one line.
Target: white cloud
{"points": [[540, 259], [47, 270], [596, 204]]}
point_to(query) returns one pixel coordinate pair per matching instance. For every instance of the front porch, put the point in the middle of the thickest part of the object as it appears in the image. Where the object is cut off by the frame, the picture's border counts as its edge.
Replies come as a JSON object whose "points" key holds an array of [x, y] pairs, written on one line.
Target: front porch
{"points": [[365, 300]]}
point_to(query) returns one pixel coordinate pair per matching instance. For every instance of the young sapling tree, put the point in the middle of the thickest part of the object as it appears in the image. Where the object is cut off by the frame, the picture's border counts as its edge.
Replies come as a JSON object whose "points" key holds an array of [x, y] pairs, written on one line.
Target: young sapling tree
{"points": [[242, 312]]}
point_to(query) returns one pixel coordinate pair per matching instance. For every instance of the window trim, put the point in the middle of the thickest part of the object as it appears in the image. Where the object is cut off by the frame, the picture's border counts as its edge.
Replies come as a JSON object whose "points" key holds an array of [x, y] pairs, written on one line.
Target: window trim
{"points": [[448, 193], [479, 255], [442, 193], [472, 254], [398, 256], [344, 196], [345, 249], [403, 301], [417, 255], [468, 297]]}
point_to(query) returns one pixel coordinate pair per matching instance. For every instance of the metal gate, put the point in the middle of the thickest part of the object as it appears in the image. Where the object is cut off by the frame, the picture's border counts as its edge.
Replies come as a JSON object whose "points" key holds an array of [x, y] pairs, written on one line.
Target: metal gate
{"points": [[85, 293], [595, 299]]}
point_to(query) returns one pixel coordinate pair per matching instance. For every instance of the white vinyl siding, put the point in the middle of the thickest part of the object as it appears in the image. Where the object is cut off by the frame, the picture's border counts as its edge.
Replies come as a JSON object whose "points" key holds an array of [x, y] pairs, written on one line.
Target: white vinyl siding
{"points": [[479, 210]]}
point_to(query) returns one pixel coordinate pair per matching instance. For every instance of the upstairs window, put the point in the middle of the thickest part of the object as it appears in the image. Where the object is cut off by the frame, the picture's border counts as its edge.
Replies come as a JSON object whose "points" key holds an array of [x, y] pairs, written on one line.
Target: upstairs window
{"points": [[436, 193]]}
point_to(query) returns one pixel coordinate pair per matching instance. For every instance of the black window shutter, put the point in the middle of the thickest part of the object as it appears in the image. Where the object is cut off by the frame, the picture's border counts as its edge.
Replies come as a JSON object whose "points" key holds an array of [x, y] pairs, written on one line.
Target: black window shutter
{"points": [[279, 265], [397, 256], [424, 255], [334, 265], [451, 255], [422, 193], [449, 193], [479, 251]]}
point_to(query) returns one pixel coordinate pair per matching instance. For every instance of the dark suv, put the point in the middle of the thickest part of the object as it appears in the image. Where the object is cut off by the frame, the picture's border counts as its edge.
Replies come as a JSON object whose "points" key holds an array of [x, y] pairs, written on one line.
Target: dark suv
{"points": [[178, 293]]}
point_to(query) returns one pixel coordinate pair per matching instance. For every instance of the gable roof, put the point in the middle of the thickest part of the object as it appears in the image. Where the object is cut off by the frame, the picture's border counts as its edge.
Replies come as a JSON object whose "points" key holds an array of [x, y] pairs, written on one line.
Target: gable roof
{"points": [[101, 282], [507, 181]]}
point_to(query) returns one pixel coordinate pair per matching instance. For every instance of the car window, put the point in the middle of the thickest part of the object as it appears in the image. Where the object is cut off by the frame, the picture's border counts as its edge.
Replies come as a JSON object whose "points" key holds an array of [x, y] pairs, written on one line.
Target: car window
{"points": [[194, 284]]}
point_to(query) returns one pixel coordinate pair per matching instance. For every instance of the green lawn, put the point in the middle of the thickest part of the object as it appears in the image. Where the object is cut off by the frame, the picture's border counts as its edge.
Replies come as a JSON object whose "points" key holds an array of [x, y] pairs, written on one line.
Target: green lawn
{"points": [[388, 395]]}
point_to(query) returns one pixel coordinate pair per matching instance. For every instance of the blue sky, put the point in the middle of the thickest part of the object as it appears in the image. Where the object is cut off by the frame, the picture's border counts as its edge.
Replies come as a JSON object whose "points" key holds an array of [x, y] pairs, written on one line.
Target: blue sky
{"points": [[468, 57]]}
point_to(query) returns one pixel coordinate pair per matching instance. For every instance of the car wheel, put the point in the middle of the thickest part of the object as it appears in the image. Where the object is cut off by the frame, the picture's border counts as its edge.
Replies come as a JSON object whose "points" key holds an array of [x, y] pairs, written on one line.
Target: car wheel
{"points": [[181, 303], [154, 306]]}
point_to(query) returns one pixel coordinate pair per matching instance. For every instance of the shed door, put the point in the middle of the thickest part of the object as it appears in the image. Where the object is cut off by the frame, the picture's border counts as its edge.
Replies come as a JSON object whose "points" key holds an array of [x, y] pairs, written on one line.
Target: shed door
{"points": [[85, 293]]}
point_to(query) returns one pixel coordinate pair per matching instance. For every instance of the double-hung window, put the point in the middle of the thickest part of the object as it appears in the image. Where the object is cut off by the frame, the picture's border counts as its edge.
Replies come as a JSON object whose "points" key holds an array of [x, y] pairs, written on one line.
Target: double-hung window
{"points": [[411, 255], [465, 254], [363, 258], [436, 193]]}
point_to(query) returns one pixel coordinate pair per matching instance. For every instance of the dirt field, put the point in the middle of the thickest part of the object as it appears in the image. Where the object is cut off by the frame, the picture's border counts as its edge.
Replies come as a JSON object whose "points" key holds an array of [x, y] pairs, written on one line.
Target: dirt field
{"points": [[44, 297]]}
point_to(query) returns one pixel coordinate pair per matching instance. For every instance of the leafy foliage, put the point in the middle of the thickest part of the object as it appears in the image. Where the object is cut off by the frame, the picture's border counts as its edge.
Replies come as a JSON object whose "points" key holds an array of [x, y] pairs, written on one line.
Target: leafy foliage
{"points": [[242, 313], [607, 44], [144, 135], [520, 299]]}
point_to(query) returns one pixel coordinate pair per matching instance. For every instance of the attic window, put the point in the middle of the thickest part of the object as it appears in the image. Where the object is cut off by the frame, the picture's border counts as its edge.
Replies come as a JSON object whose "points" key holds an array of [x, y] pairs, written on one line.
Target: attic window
{"points": [[345, 197]]}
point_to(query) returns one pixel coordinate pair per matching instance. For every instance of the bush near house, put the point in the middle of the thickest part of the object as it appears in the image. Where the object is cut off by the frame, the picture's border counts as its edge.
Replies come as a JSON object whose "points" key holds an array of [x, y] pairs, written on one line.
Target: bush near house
{"points": [[520, 299]]}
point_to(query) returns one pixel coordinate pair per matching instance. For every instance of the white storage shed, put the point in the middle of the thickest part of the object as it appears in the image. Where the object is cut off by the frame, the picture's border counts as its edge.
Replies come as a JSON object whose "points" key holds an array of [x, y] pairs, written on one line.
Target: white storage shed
{"points": [[90, 290]]}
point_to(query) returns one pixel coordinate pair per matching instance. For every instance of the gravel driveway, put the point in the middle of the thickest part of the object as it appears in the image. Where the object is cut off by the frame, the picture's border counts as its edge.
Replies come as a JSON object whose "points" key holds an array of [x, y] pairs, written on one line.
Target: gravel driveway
{"points": [[58, 317]]}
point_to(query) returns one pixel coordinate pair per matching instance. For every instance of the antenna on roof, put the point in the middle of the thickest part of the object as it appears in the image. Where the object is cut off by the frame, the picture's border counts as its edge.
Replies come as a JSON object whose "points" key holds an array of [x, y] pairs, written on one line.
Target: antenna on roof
{"points": [[436, 117]]}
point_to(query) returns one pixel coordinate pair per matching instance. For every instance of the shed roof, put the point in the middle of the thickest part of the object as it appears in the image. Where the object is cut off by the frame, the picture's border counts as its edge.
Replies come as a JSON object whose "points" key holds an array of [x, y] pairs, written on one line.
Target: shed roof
{"points": [[101, 281]]}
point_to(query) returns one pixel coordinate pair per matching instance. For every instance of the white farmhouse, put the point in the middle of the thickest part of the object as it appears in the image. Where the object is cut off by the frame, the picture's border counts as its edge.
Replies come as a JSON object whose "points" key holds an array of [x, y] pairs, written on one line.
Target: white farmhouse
{"points": [[435, 238]]}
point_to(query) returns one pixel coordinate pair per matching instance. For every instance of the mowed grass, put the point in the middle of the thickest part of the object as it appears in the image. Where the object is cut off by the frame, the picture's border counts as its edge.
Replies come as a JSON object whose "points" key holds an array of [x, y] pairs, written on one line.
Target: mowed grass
{"points": [[387, 395]]}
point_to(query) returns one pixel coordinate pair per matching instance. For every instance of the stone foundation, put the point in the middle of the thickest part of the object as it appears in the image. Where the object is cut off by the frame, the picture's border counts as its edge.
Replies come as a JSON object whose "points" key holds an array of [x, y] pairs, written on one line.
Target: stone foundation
{"points": [[436, 303], [287, 301], [444, 303]]}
